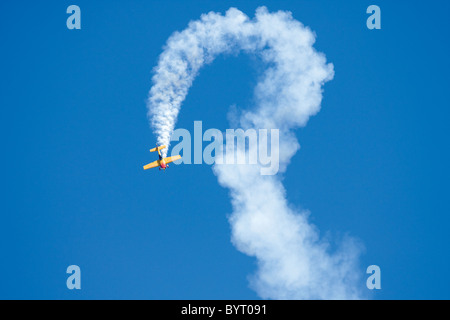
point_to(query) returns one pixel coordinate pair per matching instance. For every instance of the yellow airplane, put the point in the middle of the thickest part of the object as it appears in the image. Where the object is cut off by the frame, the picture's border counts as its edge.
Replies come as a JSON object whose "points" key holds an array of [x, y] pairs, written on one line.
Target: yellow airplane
{"points": [[162, 163]]}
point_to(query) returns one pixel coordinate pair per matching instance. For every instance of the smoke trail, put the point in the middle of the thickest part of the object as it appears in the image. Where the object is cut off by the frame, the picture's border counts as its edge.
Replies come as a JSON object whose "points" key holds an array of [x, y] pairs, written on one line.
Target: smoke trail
{"points": [[293, 263]]}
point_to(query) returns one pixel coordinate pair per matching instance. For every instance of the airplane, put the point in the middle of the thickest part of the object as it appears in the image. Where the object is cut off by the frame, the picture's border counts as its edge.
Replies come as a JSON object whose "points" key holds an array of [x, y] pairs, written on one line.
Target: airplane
{"points": [[162, 163]]}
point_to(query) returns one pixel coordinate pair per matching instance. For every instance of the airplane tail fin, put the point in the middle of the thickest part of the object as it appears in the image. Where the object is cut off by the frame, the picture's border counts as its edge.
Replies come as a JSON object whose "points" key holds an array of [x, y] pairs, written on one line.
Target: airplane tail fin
{"points": [[157, 148]]}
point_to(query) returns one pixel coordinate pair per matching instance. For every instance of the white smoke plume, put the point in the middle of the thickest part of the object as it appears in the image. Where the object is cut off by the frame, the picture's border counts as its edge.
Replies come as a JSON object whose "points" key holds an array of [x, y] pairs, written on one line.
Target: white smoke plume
{"points": [[293, 263]]}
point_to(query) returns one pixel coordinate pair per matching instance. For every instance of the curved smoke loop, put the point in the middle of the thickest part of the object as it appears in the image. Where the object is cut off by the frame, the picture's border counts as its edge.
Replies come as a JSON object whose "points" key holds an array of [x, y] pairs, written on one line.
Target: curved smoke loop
{"points": [[293, 263]]}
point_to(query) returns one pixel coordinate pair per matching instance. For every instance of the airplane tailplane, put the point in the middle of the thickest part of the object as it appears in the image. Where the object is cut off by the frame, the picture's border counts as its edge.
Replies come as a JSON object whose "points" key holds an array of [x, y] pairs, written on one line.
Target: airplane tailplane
{"points": [[157, 148]]}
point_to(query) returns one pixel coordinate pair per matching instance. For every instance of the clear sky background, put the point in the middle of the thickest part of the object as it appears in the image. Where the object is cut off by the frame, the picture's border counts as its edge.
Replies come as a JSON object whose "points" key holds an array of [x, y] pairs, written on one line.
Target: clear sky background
{"points": [[374, 161]]}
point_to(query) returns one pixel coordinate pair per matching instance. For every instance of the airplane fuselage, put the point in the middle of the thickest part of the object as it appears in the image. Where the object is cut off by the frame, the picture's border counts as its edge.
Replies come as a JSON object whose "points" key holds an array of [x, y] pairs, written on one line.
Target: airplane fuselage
{"points": [[162, 163]]}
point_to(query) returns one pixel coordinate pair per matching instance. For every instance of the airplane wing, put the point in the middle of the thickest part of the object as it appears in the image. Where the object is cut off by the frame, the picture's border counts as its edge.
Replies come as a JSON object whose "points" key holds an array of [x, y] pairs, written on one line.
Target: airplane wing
{"points": [[172, 159], [154, 164]]}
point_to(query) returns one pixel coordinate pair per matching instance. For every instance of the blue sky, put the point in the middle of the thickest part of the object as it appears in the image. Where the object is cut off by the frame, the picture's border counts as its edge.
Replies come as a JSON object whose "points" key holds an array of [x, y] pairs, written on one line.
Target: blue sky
{"points": [[373, 161]]}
